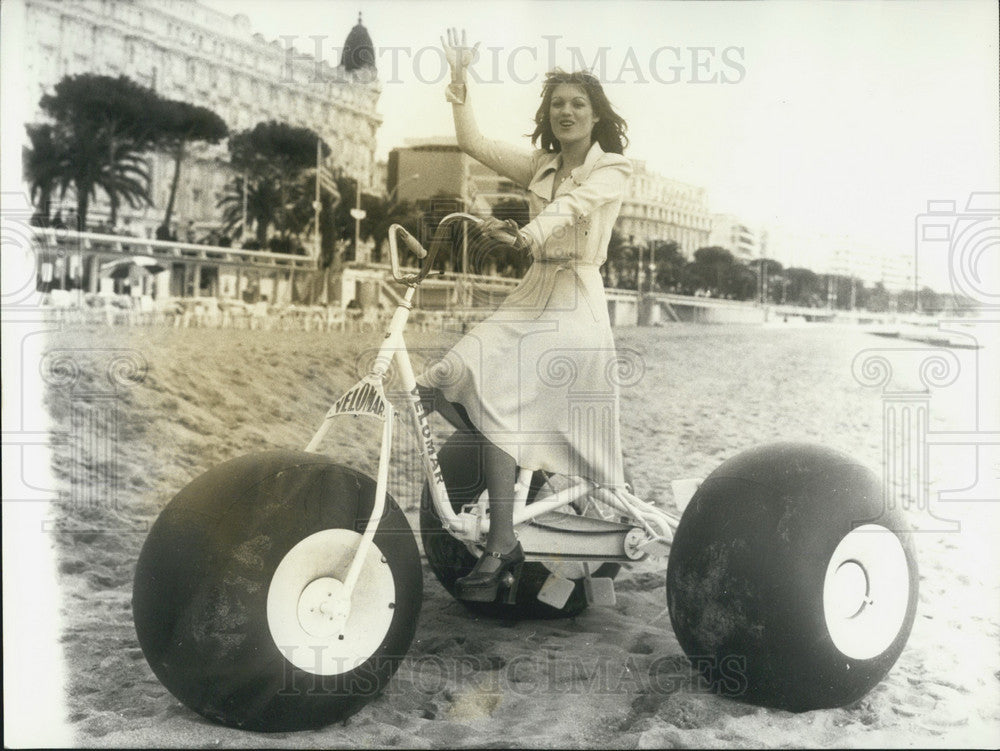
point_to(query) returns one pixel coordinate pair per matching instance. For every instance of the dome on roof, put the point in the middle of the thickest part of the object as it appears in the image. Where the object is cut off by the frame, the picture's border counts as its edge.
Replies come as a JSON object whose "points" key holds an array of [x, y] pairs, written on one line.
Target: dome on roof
{"points": [[359, 52]]}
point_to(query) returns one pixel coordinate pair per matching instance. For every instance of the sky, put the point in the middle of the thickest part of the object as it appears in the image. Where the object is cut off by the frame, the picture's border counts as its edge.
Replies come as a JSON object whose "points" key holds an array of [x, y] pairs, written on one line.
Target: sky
{"points": [[798, 117], [841, 118]]}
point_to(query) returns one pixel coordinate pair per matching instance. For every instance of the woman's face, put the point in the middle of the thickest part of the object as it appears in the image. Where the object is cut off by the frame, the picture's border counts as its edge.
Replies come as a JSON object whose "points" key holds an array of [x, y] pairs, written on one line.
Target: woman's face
{"points": [[571, 114]]}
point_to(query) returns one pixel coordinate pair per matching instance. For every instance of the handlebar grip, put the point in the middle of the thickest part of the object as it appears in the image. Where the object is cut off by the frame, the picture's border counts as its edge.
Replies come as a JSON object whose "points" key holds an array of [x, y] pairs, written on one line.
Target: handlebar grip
{"points": [[411, 242], [417, 249]]}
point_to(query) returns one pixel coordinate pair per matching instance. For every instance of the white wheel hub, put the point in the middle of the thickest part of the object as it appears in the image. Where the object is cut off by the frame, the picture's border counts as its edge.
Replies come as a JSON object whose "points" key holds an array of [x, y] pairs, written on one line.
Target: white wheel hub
{"points": [[866, 591], [324, 607], [312, 621]]}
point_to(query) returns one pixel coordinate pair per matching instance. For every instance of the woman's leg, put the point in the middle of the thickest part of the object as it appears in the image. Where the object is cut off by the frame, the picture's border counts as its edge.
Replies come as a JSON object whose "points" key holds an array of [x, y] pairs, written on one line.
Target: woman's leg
{"points": [[500, 471], [433, 401], [499, 468], [503, 554]]}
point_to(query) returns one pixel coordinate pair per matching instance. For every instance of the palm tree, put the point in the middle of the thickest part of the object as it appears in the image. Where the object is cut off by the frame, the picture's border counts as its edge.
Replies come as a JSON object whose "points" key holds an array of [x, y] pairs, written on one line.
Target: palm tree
{"points": [[125, 177], [102, 127], [273, 162], [84, 172], [261, 207], [44, 169]]}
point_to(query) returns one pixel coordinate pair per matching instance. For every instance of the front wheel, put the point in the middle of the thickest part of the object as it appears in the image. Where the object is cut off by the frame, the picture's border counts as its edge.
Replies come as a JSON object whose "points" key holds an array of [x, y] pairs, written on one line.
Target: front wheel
{"points": [[234, 599]]}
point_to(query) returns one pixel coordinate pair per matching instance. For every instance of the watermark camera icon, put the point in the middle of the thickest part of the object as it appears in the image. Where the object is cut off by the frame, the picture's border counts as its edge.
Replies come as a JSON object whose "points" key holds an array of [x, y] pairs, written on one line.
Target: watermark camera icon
{"points": [[965, 243]]}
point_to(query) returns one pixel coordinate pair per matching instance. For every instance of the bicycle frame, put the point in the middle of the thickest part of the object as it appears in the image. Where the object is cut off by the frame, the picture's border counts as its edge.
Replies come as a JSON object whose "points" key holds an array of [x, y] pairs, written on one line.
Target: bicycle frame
{"points": [[651, 528]]}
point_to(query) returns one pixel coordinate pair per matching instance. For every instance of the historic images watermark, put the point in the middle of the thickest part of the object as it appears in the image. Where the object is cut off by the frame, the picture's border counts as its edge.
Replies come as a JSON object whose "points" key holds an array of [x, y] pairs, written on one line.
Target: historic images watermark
{"points": [[90, 407], [26, 434], [525, 675], [93, 436], [963, 356], [669, 64]]}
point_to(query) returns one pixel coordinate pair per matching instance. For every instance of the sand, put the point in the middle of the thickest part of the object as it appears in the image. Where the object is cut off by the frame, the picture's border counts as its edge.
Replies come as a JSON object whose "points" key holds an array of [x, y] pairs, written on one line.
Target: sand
{"points": [[187, 399]]}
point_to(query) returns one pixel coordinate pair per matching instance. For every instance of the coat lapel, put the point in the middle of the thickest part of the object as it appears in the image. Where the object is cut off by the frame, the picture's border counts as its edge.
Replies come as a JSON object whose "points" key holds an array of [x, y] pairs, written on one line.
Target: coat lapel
{"points": [[541, 183], [581, 173]]}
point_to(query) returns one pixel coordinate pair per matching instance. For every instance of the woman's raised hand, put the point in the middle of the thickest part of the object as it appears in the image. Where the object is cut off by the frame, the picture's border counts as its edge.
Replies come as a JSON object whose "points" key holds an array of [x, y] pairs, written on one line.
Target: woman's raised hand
{"points": [[457, 52]]}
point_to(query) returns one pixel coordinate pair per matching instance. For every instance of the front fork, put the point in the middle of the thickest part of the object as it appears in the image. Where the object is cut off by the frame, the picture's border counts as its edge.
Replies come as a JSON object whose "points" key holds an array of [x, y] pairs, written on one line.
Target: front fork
{"points": [[368, 398]]}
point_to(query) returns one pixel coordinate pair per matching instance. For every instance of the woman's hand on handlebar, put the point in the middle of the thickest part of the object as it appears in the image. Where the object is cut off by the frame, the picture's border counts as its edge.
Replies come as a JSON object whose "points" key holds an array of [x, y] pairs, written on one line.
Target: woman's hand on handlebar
{"points": [[504, 231], [458, 54]]}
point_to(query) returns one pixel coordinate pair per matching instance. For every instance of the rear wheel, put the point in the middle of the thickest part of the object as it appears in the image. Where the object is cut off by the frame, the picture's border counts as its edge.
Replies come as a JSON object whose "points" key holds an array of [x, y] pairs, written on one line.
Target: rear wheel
{"points": [[791, 583], [235, 593], [450, 559]]}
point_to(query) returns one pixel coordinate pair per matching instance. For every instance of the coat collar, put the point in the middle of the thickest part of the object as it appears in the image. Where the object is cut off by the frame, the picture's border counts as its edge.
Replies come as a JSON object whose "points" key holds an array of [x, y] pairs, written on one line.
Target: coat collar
{"points": [[541, 183]]}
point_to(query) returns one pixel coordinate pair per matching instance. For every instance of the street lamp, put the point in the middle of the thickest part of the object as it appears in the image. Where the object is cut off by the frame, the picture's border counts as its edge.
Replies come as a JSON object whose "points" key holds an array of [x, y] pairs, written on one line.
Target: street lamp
{"points": [[644, 272], [358, 214]]}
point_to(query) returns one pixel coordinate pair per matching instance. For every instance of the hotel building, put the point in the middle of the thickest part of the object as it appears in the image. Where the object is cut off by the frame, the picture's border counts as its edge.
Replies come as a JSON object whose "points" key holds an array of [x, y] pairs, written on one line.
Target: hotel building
{"points": [[185, 50], [658, 208]]}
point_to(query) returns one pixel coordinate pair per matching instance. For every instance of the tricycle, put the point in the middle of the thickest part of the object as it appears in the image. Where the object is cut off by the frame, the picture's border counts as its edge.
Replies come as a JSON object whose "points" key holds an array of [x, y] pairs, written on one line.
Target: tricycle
{"points": [[281, 590]]}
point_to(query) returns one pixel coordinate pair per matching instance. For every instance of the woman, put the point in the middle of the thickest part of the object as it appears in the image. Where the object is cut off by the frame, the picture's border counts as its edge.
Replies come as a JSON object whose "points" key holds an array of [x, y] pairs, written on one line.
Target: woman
{"points": [[536, 381]]}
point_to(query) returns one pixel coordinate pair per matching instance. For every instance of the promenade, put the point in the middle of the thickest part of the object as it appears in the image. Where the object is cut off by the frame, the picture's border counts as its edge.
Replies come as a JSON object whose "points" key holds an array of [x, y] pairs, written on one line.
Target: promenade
{"points": [[196, 285]]}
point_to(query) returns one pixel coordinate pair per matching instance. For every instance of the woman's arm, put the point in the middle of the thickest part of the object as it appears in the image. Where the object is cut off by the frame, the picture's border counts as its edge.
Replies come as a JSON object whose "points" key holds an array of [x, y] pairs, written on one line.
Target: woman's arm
{"points": [[509, 161], [606, 183]]}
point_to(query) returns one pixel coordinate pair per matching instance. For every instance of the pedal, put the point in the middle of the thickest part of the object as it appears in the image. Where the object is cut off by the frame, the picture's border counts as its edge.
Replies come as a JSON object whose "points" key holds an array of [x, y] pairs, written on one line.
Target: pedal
{"points": [[600, 591], [556, 591]]}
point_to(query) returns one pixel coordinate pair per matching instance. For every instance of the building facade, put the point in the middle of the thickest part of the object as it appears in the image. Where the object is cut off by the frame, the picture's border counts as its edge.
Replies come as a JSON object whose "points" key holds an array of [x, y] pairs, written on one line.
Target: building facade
{"points": [[840, 255], [187, 51], [443, 169], [850, 258], [658, 208], [736, 236]]}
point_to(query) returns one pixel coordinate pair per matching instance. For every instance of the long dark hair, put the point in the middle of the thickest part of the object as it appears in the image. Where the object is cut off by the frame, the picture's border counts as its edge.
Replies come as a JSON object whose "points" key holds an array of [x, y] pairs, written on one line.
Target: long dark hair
{"points": [[610, 128]]}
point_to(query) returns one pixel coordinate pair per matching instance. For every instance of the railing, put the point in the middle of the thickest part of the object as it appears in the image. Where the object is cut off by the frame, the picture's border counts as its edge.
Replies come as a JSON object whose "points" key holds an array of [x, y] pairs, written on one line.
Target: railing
{"points": [[450, 277], [71, 240], [169, 250]]}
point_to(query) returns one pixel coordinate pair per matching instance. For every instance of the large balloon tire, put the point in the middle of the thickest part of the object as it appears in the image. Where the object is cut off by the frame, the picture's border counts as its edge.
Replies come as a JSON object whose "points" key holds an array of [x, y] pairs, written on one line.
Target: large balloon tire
{"points": [[791, 583], [450, 559], [201, 589]]}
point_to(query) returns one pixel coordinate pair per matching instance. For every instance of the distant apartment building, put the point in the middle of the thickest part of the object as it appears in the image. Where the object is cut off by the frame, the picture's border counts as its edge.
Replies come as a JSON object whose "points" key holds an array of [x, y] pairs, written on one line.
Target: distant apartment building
{"points": [[658, 208], [842, 255], [871, 265], [185, 50], [734, 235]]}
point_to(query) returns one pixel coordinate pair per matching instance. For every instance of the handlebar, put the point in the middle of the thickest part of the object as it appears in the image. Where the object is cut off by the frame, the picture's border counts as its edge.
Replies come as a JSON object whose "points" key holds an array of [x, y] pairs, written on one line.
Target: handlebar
{"points": [[418, 250]]}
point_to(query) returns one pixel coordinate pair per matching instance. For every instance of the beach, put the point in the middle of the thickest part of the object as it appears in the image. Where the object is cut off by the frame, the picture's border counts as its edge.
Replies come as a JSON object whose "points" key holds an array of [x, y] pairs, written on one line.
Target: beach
{"points": [[174, 402]]}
